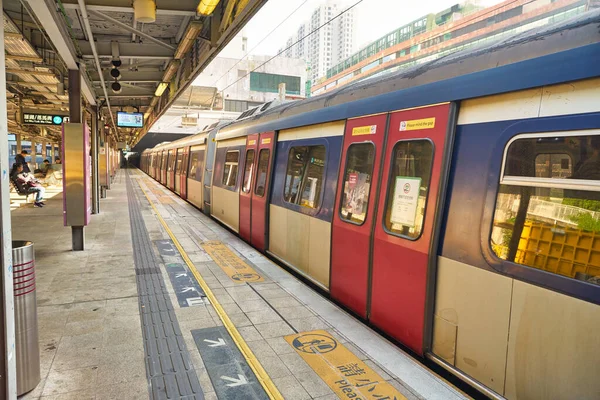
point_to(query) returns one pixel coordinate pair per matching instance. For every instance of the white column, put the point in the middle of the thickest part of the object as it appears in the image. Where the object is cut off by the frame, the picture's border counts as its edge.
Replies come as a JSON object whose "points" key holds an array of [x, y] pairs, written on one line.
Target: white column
{"points": [[8, 369]]}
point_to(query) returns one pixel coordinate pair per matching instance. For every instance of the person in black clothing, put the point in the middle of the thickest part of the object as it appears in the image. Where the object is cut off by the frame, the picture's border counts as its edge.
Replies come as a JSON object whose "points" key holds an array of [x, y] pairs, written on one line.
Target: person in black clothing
{"points": [[20, 159], [26, 183]]}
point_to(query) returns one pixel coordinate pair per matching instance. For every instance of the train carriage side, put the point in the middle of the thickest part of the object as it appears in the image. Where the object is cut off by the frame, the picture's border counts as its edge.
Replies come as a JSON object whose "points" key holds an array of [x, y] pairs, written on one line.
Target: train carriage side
{"points": [[195, 172], [209, 164], [226, 180], [303, 196], [164, 154], [177, 170], [518, 271]]}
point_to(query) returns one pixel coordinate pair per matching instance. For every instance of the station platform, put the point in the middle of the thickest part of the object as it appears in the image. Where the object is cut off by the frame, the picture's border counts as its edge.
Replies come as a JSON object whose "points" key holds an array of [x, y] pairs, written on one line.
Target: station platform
{"points": [[165, 303]]}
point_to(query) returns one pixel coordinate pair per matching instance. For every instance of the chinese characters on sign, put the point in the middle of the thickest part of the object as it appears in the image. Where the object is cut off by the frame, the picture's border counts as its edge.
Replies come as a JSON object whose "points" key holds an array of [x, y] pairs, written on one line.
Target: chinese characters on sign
{"points": [[44, 119], [347, 375]]}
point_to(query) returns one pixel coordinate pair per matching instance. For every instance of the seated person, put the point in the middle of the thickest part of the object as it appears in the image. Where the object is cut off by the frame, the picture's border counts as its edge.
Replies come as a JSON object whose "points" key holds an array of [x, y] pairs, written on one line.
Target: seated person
{"points": [[26, 183], [57, 161], [43, 171]]}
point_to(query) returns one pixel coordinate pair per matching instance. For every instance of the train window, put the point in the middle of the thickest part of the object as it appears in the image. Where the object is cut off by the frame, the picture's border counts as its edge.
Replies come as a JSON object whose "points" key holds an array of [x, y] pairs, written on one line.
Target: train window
{"points": [[408, 187], [231, 168], [163, 162], [248, 170], [547, 213], [195, 168], [178, 161], [357, 182], [263, 169], [171, 162], [305, 175]]}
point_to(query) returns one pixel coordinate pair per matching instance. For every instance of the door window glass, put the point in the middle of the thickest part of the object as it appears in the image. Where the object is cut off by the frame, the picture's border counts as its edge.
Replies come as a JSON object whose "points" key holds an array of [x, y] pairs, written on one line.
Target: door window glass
{"points": [[171, 160], [551, 225], [231, 168], [263, 169], [179, 161], [195, 168], [248, 170], [305, 175], [408, 187], [163, 163], [357, 182]]}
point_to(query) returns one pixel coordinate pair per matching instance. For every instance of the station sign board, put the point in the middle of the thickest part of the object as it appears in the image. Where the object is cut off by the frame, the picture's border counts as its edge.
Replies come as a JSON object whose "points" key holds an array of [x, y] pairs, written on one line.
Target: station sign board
{"points": [[30, 118]]}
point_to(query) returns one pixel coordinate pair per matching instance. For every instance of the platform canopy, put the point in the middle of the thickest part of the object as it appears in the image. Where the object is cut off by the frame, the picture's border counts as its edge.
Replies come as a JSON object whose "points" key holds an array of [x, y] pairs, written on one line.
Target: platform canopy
{"points": [[135, 56]]}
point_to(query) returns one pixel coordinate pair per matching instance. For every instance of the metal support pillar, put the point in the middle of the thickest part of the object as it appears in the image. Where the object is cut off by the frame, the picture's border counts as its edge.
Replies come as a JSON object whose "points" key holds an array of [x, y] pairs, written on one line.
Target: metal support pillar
{"points": [[95, 175], [8, 368], [75, 116], [74, 96], [78, 238]]}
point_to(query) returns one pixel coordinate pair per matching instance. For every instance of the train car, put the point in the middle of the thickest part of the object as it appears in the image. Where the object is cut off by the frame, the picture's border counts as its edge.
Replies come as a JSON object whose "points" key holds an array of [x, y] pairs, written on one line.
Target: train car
{"points": [[230, 183], [454, 205]]}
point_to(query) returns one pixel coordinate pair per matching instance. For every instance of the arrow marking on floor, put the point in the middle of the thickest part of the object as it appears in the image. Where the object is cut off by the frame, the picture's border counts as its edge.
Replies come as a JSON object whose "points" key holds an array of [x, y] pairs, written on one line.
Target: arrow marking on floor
{"points": [[235, 382], [216, 343]]}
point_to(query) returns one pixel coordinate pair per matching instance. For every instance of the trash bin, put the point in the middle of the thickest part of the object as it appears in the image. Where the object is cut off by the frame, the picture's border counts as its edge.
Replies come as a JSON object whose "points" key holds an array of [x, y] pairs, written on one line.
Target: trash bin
{"points": [[26, 327]]}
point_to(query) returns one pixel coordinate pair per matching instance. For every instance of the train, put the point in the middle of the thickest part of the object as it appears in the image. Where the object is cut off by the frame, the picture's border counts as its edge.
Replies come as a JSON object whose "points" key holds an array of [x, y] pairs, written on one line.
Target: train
{"points": [[453, 205]]}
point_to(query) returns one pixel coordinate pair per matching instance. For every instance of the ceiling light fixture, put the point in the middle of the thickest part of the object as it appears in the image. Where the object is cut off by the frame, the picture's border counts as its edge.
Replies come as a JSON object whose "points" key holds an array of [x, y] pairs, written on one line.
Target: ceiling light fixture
{"points": [[116, 87], [144, 11], [206, 7], [161, 89], [171, 70], [191, 33], [115, 73]]}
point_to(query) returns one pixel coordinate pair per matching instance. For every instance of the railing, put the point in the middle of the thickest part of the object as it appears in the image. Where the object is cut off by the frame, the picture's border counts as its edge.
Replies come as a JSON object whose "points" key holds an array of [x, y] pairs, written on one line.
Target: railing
{"points": [[558, 212]]}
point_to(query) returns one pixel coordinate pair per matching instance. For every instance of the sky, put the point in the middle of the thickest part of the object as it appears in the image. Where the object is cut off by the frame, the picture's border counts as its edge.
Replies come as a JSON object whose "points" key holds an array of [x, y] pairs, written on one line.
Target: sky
{"points": [[374, 19], [269, 29]]}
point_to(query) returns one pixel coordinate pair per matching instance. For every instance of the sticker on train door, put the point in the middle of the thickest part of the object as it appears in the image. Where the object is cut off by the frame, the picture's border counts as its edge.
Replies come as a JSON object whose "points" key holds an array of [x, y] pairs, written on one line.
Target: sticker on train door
{"points": [[406, 200], [364, 130], [416, 124]]}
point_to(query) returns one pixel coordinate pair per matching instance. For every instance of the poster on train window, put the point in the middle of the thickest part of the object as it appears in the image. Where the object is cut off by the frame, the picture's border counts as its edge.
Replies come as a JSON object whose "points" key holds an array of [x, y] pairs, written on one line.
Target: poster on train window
{"points": [[405, 201], [357, 193]]}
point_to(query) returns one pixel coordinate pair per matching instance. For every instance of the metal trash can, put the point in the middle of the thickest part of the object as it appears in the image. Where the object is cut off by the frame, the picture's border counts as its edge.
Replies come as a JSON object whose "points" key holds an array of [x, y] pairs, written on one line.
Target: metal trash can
{"points": [[26, 326]]}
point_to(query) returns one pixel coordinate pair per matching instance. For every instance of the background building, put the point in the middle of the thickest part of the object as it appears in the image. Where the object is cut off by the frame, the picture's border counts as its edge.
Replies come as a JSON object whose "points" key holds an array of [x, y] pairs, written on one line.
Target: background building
{"points": [[329, 44], [435, 35], [241, 85]]}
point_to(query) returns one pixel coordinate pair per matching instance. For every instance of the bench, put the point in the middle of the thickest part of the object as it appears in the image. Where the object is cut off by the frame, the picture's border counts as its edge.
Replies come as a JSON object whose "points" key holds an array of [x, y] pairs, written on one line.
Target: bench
{"points": [[19, 192]]}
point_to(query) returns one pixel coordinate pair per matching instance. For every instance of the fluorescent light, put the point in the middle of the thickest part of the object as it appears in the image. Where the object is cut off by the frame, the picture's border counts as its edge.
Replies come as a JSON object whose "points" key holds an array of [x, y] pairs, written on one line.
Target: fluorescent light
{"points": [[191, 33], [206, 7], [161, 89], [171, 69]]}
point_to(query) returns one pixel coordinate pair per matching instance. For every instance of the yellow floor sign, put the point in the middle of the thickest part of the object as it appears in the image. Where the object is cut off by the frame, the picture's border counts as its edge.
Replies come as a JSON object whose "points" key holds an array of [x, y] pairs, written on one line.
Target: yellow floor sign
{"points": [[344, 373], [230, 263]]}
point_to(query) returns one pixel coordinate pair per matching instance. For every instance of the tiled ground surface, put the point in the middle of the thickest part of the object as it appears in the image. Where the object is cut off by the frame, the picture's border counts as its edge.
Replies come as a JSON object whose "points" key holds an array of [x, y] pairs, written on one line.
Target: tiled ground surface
{"points": [[90, 337], [89, 325]]}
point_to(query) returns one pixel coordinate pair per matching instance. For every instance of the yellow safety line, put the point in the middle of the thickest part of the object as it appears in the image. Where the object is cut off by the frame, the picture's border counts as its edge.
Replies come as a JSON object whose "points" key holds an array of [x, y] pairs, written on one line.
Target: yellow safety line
{"points": [[257, 368]]}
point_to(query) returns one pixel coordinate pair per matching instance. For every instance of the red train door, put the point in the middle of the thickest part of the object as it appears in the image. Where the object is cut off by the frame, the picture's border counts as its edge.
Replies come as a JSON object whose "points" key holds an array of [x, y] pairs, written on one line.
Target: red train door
{"points": [[260, 194], [184, 172], [246, 189], [354, 211], [405, 221]]}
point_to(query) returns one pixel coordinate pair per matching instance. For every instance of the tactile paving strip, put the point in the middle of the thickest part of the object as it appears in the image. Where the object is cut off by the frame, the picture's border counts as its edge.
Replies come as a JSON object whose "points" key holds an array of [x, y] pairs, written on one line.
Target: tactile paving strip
{"points": [[168, 364]]}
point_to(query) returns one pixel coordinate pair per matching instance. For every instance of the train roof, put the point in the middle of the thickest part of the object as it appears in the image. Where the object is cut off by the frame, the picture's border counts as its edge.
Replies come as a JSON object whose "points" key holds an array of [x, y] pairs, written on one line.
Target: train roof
{"points": [[196, 139], [551, 54]]}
